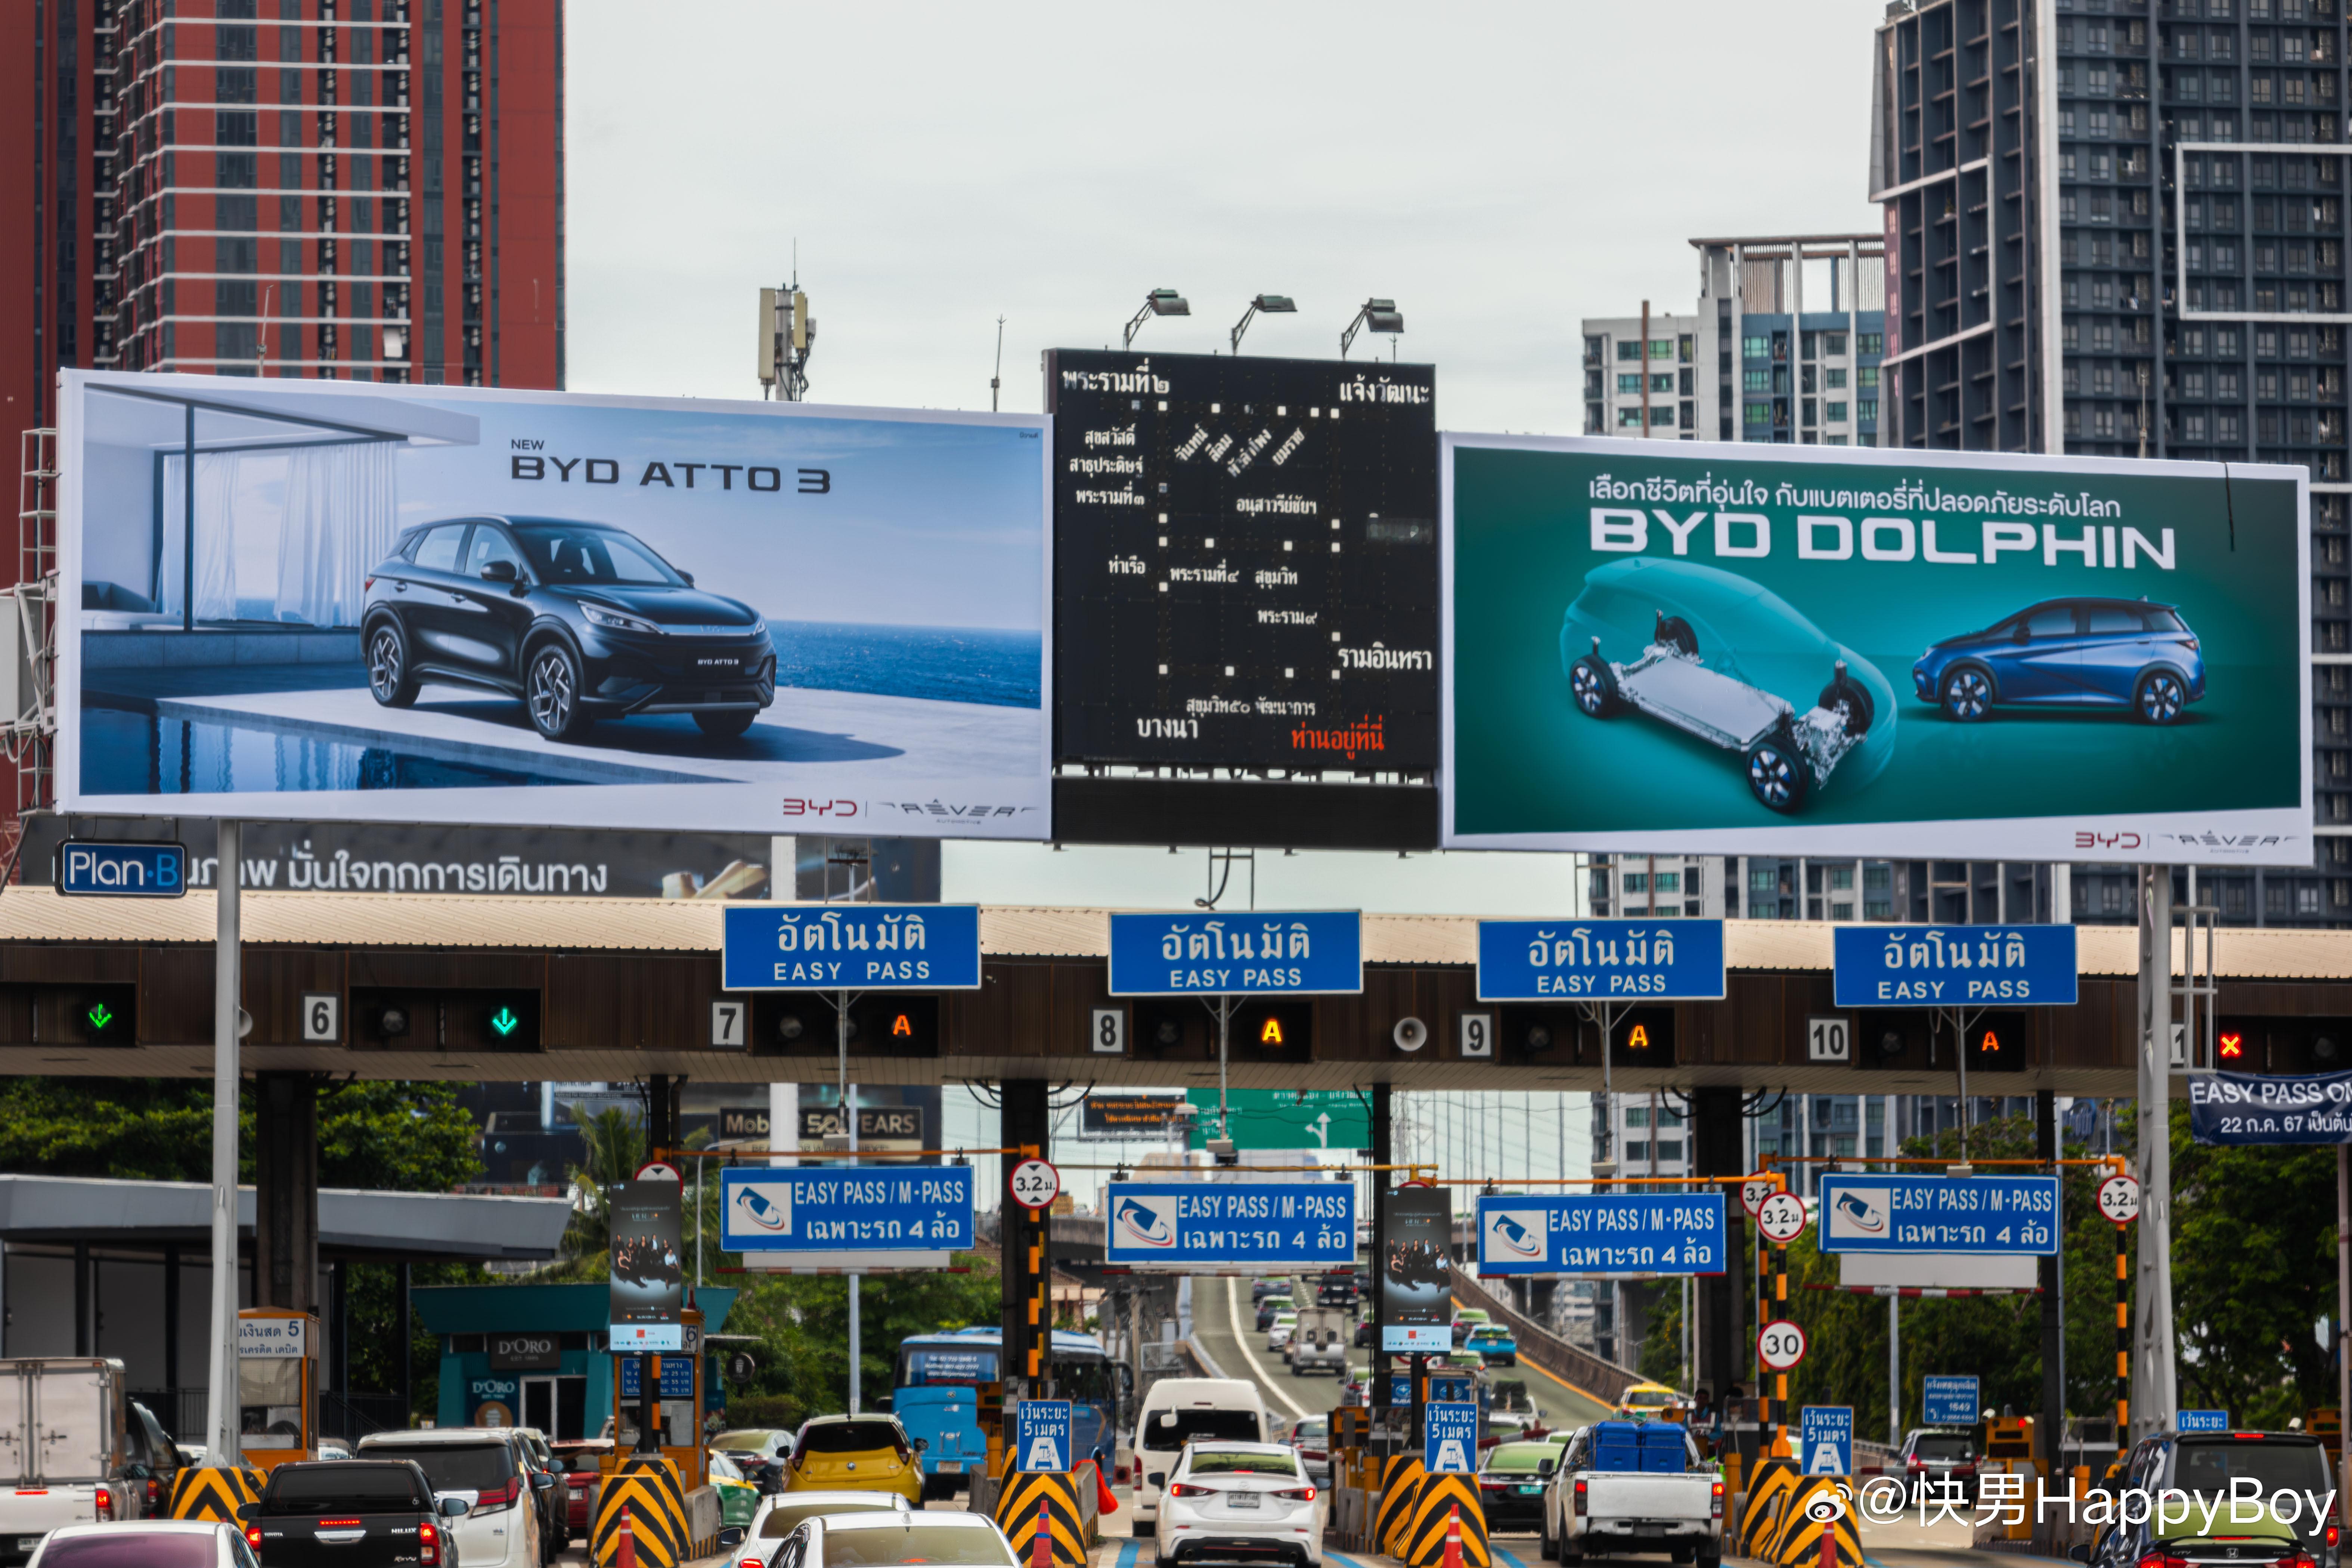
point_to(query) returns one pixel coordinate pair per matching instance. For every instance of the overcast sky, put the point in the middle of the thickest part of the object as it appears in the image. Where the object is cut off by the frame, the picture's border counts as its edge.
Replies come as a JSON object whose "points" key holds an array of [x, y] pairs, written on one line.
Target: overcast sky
{"points": [[1499, 170]]}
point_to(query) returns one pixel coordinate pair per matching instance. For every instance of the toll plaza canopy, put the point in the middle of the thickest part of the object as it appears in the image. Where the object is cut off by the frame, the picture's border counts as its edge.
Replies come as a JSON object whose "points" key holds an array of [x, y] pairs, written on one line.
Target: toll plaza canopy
{"points": [[468, 988]]}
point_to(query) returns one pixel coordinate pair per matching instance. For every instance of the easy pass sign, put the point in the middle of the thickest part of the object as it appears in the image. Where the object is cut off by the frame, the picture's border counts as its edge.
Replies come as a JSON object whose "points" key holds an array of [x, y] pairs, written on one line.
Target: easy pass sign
{"points": [[1035, 1184]]}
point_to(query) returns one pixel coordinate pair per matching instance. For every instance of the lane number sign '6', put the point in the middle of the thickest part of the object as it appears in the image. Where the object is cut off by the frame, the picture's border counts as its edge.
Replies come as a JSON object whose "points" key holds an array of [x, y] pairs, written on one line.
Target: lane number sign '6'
{"points": [[1781, 1218], [1035, 1184], [1781, 1346], [2119, 1199]]}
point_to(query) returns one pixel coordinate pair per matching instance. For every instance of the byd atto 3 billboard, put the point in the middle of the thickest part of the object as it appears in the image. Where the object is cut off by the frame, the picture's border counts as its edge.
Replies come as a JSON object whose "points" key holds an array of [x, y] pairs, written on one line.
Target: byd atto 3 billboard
{"points": [[1809, 650], [426, 603]]}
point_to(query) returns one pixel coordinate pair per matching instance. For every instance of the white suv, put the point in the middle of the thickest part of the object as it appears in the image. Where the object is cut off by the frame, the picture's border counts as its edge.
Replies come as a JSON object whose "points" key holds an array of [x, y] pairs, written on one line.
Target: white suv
{"points": [[483, 1465]]}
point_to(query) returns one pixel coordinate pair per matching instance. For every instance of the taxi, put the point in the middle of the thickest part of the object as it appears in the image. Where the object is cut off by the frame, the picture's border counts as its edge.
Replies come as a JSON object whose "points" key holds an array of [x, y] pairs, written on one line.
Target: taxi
{"points": [[1648, 1402], [855, 1454]]}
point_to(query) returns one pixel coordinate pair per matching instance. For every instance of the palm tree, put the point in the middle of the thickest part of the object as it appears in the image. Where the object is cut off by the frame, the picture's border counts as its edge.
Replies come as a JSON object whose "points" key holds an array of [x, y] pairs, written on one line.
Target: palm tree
{"points": [[617, 1147]]}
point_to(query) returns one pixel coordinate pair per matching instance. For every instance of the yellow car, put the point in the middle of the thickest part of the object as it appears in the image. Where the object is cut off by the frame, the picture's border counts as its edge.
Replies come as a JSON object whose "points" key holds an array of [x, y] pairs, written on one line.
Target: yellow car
{"points": [[855, 1454], [1648, 1402]]}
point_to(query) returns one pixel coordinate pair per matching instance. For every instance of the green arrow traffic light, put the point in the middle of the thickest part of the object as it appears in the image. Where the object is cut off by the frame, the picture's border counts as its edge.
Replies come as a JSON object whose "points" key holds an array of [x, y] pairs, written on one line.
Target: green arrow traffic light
{"points": [[506, 1021], [98, 1016]]}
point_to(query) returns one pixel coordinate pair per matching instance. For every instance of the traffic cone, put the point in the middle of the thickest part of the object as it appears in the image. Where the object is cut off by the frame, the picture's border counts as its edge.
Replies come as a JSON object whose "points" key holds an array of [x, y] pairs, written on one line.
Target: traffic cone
{"points": [[1828, 1547], [626, 1555], [1453, 1558], [1041, 1549]]}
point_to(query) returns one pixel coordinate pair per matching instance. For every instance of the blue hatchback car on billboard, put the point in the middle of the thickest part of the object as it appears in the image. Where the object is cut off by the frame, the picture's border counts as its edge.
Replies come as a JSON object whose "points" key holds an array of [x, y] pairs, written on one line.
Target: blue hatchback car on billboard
{"points": [[2069, 653]]}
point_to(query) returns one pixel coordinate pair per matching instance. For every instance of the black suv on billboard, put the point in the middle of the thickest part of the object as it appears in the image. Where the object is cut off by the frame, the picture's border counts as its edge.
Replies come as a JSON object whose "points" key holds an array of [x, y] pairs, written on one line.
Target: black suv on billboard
{"points": [[581, 620]]}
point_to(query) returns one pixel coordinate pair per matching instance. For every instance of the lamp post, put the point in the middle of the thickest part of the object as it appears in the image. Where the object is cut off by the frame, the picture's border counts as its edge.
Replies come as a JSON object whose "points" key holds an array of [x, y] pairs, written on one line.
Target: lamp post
{"points": [[1159, 302], [1265, 304], [1379, 315]]}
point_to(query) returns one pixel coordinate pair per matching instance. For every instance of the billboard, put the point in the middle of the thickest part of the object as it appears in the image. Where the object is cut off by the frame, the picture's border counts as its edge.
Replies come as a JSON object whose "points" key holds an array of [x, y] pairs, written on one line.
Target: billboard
{"points": [[648, 1263], [1416, 1282], [1804, 650], [443, 605], [1246, 561]]}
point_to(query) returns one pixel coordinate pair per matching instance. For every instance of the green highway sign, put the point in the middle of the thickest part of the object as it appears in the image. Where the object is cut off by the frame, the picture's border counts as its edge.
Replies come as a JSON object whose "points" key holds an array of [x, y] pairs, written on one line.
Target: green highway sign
{"points": [[1285, 1117]]}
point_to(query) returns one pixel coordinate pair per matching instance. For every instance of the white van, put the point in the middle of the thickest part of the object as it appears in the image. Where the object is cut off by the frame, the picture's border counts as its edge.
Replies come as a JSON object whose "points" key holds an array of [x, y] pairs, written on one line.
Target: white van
{"points": [[1180, 1410]]}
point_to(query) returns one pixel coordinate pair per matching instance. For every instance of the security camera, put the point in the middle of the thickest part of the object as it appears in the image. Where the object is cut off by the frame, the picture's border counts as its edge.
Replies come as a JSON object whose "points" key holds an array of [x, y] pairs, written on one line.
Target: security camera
{"points": [[1410, 1034]]}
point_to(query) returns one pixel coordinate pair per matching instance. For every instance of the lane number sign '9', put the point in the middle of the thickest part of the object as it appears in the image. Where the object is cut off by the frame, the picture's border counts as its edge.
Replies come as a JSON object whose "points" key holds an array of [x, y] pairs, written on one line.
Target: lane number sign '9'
{"points": [[1781, 1218], [1035, 1184], [1781, 1346], [2119, 1199]]}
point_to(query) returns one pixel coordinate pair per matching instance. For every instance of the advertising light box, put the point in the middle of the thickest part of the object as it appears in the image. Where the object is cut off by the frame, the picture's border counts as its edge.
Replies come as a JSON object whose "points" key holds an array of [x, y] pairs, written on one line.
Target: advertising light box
{"points": [[446, 605], [1807, 650], [1246, 560]]}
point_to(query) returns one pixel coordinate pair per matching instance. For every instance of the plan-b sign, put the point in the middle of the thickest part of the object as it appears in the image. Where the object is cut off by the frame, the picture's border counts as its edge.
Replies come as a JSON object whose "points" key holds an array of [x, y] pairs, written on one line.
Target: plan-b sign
{"points": [[1601, 1233], [1940, 1214], [122, 870], [1600, 960], [1302, 953], [852, 1208], [1252, 1224], [852, 947], [1955, 967]]}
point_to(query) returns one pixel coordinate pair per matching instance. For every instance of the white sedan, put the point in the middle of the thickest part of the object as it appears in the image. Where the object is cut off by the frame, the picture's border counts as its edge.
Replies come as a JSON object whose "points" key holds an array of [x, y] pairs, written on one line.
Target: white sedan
{"points": [[886, 1539], [1285, 1325], [1252, 1500]]}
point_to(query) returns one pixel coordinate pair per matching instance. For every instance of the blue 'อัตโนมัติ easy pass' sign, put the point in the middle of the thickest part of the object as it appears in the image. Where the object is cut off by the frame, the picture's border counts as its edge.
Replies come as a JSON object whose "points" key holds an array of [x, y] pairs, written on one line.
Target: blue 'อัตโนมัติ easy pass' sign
{"points": [[1955, 967], [1304, 953], [1162, 1224], [1601, 1233], [1598, 961], [851, 947], [845, 1208]]}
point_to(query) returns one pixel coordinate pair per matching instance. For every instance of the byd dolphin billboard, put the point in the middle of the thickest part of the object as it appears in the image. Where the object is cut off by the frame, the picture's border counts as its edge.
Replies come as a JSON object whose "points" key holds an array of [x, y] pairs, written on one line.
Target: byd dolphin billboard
{"points": [[1820, 650]]}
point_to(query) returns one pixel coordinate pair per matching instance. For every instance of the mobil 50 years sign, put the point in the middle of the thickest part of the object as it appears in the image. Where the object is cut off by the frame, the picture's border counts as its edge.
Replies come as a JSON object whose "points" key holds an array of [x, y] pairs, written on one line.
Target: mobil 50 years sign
{"points": [[1820, 650]]}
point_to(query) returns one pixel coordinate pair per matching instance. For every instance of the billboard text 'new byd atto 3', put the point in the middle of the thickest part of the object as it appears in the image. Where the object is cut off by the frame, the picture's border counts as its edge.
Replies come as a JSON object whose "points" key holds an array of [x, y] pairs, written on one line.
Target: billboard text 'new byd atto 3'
{"points": [[1741, 650], [441, 604]]}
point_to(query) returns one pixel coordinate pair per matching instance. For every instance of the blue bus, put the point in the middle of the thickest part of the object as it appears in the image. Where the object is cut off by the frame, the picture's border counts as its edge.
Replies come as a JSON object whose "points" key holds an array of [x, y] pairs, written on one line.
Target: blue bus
{"points": [[934, 1396]]}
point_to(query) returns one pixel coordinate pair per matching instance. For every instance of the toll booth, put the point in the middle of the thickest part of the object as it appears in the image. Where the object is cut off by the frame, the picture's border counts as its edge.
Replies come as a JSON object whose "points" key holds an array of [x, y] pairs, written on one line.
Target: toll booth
{"points": [[677, 1396], [534, 1355], [277, 1385]]}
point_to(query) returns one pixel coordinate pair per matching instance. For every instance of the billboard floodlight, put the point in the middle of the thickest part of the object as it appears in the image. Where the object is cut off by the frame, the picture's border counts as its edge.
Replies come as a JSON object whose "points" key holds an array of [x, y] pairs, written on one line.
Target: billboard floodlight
{"points": [[1378, 315], [1159, 302], [1265, 304]]}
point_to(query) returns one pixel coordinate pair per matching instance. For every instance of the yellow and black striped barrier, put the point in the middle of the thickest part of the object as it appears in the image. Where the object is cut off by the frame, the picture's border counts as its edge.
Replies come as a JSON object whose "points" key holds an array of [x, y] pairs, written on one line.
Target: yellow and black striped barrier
{"points": [[1400, 1484], [1439, 1500], [1016, 1515], [647, 1486], [1770, 1487], [1820, 1505], [209, 1493]]}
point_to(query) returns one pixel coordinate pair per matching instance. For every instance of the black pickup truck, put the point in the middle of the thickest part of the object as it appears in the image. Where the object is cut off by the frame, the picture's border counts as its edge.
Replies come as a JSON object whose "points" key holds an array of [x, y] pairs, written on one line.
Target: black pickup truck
{"points": [[350, 1513]]}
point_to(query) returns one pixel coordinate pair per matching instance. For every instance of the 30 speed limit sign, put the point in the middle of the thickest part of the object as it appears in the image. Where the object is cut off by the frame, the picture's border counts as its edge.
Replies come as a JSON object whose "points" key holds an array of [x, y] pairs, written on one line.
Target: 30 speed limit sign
{"points": [[2119, 1199], [1781, 1218], [1035, 1183], [1781, 1346], [1753, 1189]]}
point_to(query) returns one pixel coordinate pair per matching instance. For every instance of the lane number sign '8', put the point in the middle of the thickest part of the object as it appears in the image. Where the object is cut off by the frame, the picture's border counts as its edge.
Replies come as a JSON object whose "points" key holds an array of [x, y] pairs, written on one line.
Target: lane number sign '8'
{"points": [[1753, 1190], [1035, 1183], [1781, 1218], [2119, 1199], [1781, 1346]]}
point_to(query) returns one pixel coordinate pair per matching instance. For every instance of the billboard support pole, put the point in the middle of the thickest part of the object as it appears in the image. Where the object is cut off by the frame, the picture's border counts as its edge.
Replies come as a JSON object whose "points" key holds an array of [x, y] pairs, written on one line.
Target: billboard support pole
{"points": [[1606, 1014], [221, 1417], [849, 1124], [2343, 1311], [2153, 1401]]}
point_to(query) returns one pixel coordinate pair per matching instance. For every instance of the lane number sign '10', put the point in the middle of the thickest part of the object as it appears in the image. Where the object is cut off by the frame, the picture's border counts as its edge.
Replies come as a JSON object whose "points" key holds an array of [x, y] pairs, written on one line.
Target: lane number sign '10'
{"points": [[1781, 1346]]}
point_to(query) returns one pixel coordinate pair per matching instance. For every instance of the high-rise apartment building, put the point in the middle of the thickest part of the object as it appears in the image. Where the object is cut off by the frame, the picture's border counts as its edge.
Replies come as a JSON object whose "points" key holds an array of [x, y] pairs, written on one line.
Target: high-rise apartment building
{"points": [[369, 190], [2118, 227]]}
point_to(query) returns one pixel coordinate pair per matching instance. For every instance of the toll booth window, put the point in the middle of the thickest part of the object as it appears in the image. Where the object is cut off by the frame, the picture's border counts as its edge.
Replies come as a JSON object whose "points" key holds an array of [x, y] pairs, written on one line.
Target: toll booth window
{"points": [[1086, 1381], [941, 1368], [676, 1424], [269, 1401], [2208, 1469]]}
